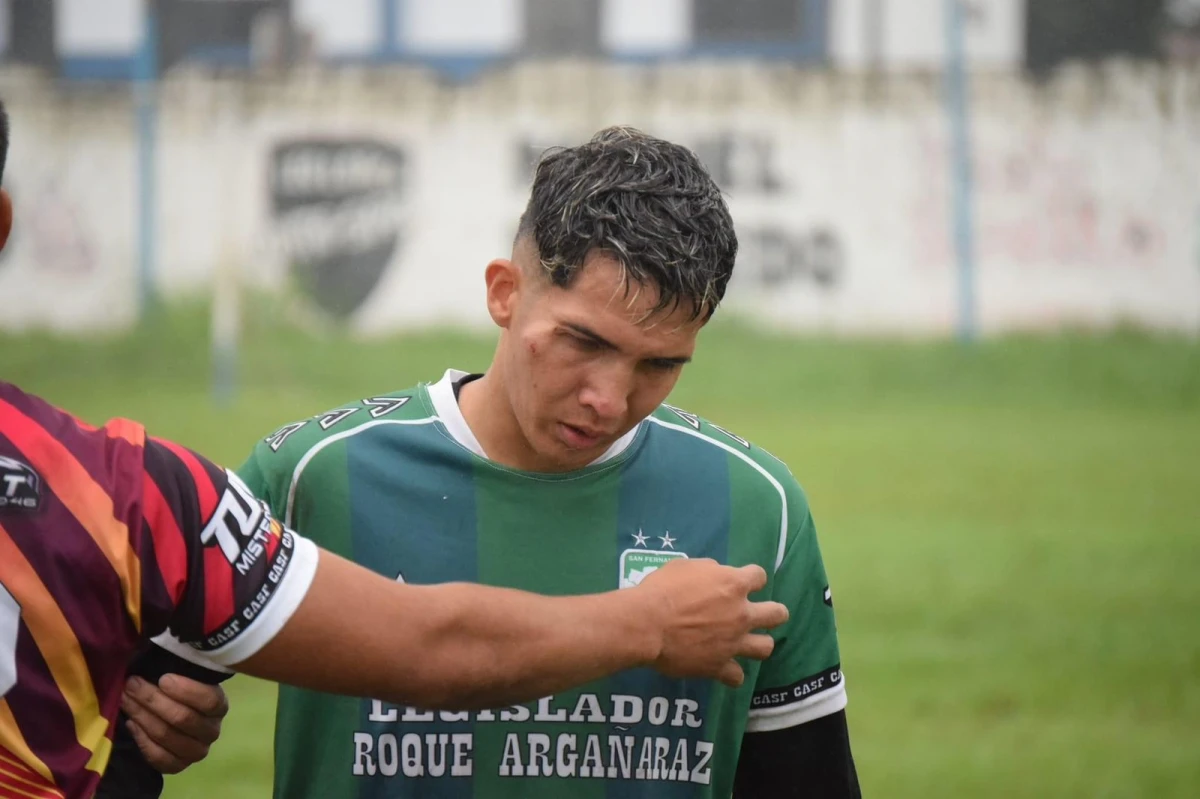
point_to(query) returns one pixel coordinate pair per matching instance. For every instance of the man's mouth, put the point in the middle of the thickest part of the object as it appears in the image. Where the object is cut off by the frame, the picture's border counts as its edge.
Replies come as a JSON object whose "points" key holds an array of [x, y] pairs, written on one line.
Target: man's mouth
{"points": [[580, 437]]}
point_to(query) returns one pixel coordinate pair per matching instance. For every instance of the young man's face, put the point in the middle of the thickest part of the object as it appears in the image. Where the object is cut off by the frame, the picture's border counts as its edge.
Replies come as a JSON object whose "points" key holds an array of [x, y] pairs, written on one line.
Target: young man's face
{"points": [[584, 364]]}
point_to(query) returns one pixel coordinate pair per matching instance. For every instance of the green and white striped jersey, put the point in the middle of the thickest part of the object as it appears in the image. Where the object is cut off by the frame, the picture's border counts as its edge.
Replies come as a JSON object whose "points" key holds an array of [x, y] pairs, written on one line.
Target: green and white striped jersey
{"points": [[399, 484]]}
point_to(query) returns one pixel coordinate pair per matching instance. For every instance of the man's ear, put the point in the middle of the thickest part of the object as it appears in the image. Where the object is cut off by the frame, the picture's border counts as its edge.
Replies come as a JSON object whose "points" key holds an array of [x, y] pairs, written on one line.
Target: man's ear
{"points": [[504, 280], [6, 217]]}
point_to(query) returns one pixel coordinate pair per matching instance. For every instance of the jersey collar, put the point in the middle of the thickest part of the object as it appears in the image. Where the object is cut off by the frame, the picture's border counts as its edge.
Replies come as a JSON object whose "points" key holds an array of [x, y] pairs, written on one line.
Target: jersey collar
{"points": [[445, 405]]}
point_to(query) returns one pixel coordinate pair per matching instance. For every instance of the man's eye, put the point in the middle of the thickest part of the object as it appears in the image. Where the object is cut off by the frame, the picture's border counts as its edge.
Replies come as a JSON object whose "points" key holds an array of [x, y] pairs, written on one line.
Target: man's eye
{"points": [[663, 366], [585, 344]]}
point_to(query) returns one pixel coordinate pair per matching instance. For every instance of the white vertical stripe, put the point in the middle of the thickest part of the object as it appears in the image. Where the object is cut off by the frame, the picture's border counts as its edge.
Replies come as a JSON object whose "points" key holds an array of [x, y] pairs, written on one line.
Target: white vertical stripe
{"points": [[823, 704], [280, 607]]}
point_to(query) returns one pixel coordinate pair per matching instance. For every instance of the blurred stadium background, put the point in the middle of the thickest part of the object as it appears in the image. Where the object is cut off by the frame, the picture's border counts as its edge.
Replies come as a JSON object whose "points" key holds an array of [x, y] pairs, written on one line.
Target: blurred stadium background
{"points": [[965, 311]]}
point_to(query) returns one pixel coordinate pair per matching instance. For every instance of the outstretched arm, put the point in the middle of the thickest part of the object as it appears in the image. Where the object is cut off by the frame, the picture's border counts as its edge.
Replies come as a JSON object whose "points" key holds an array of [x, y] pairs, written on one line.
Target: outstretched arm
{"points": [[254, 595], [460, 646]]}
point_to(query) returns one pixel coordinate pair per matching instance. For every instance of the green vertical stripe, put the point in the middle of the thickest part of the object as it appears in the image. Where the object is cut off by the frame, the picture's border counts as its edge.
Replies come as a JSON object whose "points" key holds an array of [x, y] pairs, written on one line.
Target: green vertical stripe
{"points": [[314, 763], [426, 534], [551, 537]]}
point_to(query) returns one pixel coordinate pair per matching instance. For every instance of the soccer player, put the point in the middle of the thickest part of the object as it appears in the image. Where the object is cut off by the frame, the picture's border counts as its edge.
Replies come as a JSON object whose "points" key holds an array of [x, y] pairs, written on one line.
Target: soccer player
{"points": [[560, 470], [109, 536]]}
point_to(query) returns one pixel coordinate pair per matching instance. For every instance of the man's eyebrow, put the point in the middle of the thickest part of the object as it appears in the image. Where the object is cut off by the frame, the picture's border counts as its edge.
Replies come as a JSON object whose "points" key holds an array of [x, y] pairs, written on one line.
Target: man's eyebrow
{"points": [[593, 336]]}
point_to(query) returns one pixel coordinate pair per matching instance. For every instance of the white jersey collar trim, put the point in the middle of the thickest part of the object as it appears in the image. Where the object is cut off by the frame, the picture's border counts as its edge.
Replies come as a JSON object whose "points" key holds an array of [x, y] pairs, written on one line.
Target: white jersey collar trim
{"points": [[445, 405]]}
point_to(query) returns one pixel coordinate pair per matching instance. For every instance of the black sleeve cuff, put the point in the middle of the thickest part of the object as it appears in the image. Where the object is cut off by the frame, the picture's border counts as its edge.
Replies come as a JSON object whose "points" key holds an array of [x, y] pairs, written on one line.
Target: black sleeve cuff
{"points": [[811, 760]]}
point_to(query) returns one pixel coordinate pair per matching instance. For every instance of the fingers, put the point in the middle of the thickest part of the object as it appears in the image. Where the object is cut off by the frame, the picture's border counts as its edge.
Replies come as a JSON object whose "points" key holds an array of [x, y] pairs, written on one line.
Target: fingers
{"points": [[167, 737], [765, 615], [758, 647], [159, 758], [207, 700], [691, 568], [754, 577], [180, 736], [731, 674], [152, 701], [716, 624]]}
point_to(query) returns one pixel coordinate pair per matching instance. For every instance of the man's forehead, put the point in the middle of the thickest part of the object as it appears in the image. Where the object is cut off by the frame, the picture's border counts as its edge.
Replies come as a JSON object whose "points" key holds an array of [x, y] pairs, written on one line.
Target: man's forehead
{"points": [[602, 288], [604, 291]]}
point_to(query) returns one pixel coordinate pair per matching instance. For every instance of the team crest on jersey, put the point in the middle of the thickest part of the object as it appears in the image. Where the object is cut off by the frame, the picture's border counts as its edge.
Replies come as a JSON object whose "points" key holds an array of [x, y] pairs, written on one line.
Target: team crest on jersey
{"points": [[636, 564]]}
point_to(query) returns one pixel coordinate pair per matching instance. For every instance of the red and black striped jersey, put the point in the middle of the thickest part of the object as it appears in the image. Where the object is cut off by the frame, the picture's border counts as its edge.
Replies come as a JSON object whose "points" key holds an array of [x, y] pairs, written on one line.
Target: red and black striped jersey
{"points": [[109, 537]]}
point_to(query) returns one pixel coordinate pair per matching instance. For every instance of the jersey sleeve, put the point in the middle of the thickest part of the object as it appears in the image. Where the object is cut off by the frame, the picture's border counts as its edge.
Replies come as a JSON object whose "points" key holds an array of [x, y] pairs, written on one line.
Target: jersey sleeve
{"points": [[261, 472], [289, 467], [273, 467], [802, 679], [229, 571]]}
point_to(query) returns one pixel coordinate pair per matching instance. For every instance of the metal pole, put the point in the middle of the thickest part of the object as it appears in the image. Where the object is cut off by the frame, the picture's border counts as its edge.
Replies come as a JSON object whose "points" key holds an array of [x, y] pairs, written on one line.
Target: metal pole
{"points": [[872, 40], [146, 111], [226, 309], [873, 35], [958, 111], [390, 19]]}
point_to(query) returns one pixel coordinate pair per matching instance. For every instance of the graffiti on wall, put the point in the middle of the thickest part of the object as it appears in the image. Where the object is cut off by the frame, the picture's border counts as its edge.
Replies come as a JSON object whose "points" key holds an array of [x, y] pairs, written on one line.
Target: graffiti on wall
{"points": [[745, 163], [772, 254], [1034, 205], [52, 226]]}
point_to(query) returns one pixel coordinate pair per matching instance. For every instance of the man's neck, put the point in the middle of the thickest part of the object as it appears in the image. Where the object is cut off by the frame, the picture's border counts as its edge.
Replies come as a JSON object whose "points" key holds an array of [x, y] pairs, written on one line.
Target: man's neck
{"points": [[484, 405]]}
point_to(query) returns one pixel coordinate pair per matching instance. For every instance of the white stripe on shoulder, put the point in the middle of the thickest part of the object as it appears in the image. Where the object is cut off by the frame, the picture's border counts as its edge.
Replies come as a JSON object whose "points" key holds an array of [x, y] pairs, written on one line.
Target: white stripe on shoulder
{"points": [[781, 718], [783, 515], [325, 442]]}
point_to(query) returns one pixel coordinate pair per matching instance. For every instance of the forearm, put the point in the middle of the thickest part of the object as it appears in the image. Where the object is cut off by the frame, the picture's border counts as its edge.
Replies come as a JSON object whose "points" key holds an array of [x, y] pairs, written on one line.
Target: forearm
{"points": [[489, 647], [452, 646]]}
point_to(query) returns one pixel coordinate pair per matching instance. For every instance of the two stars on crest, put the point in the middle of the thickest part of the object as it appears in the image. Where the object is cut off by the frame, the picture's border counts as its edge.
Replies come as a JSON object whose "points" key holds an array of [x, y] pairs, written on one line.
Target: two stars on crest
{"points": [[639, 539]]}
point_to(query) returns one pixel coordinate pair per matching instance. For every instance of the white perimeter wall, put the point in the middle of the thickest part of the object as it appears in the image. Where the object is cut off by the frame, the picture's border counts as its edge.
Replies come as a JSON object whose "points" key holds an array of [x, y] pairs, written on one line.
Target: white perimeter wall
{"points": [[397, 190]]}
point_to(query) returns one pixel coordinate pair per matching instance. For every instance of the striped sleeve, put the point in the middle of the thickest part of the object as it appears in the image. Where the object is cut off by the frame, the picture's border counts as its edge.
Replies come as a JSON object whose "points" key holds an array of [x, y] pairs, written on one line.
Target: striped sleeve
{"points": [[228, 574], [107, 538]]}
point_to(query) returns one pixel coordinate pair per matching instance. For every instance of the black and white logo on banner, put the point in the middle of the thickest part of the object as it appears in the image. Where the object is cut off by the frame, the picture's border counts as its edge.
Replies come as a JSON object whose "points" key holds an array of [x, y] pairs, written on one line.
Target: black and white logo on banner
{"points": [[337, 208]]}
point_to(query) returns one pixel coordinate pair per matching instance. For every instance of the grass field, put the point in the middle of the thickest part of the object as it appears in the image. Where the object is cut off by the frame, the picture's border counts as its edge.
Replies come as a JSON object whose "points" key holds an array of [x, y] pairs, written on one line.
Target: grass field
{"points": [[1012, 530]]}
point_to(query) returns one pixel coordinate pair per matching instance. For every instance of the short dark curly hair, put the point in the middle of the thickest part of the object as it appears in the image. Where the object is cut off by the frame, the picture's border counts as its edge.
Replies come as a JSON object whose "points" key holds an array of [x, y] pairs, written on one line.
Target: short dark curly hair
{"points": [[645, 201]]}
